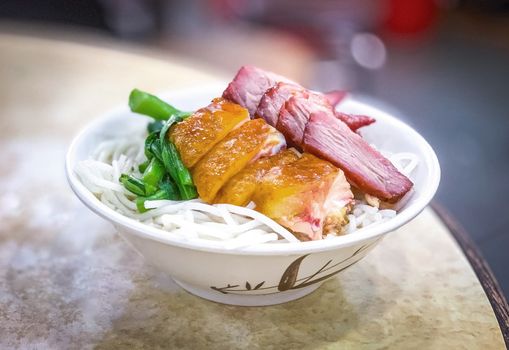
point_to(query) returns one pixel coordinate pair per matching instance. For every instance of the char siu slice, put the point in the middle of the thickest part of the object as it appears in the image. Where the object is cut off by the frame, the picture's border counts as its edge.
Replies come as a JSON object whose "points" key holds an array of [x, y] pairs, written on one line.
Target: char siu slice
{"points": [[329, 138], [249, 85]]}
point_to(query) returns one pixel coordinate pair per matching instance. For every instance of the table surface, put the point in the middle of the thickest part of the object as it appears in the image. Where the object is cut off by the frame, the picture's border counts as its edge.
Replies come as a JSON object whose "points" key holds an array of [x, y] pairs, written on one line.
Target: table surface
{"points": [[68, 281]]}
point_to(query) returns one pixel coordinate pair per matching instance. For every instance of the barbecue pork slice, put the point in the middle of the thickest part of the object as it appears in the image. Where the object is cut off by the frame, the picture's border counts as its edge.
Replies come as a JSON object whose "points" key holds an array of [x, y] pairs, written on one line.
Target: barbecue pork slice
{"points": [[354, 121], [275, 98], [335, 97], [294, 116], [329, 138], [249, 85], [264, 93]]}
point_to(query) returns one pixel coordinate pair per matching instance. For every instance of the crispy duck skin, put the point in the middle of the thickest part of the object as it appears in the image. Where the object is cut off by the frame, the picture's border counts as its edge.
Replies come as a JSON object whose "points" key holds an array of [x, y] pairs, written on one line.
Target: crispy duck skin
{"points": [[328, 138], [240, 188], [300, 195], [245, 144], [196, 135]]}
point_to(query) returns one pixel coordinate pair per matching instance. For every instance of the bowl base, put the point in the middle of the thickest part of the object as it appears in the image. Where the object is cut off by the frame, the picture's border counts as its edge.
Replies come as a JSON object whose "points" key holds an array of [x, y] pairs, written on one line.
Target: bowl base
{"points": [[249, 300]]}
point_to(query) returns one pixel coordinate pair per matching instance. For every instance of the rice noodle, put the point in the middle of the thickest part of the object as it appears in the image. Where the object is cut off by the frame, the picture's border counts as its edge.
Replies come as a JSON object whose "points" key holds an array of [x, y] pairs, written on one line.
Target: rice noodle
{"points": [[225, 225]]}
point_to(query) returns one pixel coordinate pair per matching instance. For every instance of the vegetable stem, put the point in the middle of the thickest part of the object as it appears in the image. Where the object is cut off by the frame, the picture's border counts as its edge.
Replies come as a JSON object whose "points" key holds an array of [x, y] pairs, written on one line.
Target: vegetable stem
{"points": [[143, 166], [153, 174], [167, 190], [179, 173], [137, 186], [144, 103]]}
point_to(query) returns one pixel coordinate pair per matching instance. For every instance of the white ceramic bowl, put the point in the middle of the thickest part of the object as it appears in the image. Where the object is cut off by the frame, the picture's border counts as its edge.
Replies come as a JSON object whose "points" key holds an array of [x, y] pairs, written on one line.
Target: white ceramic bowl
{"points": [[265, 274]]}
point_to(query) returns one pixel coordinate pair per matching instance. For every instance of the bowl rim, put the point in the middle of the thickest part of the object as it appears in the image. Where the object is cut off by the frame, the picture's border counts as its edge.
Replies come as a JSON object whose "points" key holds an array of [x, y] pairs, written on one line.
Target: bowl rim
{"points": [[148, 232]]}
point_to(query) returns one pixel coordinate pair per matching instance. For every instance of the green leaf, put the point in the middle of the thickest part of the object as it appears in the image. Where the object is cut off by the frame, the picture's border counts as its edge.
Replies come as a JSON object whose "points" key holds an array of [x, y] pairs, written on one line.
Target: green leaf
{"points": [[164, 130], [178, 172], [152, 146], [155, 126], [132, 184], [143, 166]]}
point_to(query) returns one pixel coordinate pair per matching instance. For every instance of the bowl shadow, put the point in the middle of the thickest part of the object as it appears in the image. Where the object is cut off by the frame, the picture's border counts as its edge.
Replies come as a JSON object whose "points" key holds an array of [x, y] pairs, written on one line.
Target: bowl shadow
{"points": [[157, 316]]}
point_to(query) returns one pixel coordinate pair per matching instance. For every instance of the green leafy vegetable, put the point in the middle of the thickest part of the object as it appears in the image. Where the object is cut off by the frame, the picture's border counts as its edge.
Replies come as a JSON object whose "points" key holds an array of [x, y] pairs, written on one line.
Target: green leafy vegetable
{"points": [[137, 186], [144, 103], [164, 174], [143, 166], [153, 146], [167, 190], [154, 173], [155, 126], [178, 172], [171, 120]]}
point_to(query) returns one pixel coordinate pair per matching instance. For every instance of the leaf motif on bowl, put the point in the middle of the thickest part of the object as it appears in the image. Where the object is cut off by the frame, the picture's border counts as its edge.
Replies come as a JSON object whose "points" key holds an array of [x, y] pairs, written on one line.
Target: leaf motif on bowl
{"points": [[289, 278]]}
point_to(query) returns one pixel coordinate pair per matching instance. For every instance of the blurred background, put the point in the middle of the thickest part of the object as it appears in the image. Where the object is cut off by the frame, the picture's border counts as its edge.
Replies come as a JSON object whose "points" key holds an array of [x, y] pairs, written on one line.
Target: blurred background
{"points": [[441, 65]]}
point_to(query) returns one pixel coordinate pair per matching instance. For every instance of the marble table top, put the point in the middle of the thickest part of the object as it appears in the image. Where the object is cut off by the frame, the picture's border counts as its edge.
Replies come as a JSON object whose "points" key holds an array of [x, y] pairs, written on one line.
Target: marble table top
{"points": [[68, 281]]}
